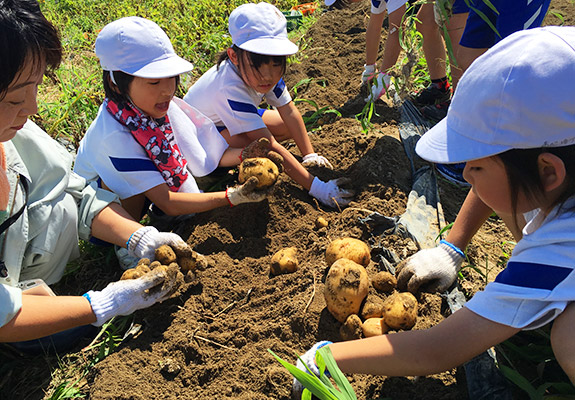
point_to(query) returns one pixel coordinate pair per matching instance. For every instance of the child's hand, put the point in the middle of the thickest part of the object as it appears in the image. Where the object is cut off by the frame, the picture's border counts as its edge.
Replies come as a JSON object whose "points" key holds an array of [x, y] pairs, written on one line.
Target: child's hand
{"points": [[261, 148], [379, 86], [246, 193], [329, 193], [144, 242], [368, 73], [315, 160]]}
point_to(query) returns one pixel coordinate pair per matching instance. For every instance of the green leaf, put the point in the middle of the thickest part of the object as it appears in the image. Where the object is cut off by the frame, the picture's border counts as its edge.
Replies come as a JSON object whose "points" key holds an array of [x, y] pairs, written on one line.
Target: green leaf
{"points": [[340, 379]]}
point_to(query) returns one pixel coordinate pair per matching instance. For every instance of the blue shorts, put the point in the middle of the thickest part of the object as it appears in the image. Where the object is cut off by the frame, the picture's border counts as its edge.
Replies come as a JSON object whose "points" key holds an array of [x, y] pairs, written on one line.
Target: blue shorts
{"points": [[514, 15]]}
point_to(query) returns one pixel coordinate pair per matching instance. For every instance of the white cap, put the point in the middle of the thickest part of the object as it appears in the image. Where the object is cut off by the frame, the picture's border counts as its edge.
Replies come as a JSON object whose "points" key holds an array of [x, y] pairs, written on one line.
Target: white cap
{"points": [[260, 28], [520, 94], [139, 47], [329, 2]]}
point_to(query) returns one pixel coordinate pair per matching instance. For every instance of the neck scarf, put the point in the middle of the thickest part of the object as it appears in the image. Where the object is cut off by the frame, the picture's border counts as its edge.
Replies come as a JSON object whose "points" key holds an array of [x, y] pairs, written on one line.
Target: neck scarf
{"points": [[157, 139], [4, 185]]}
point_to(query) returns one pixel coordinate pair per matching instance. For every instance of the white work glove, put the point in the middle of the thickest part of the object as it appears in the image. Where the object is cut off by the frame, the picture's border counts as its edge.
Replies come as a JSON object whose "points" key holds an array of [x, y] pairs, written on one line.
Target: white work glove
{"points": [[144, 242], [125, 297], [379, 86], [329, 193], [435, 269], [309, 359], [315, 160], [245, 193], [368, 73]]}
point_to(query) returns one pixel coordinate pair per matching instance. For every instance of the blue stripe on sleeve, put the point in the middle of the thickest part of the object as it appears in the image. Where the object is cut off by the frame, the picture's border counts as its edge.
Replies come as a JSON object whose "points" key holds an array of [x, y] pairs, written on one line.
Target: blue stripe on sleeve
{"points": [[242, 107], [132, 164], [279, 88], [530, 275]]}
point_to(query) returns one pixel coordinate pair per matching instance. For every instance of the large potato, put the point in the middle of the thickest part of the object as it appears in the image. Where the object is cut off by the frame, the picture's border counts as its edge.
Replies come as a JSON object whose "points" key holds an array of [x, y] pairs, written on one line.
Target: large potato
{"points": [[400, 311], [262, 168], [284, 261], [350, 248], [374, 327], [346, 285]]}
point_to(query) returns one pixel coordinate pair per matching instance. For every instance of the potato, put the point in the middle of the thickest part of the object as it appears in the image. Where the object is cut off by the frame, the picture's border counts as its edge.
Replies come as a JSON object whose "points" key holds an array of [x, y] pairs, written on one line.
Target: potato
{"points": [[187, 264], [384, 282], [374, 327], [321, 222], [350, 248], [143, 268], [351, 329], [284, 261], [165, 254], [346, 285], [372, 307], [132, 273], [154, 264], [143, 261], [400, 310], [262, 168]]}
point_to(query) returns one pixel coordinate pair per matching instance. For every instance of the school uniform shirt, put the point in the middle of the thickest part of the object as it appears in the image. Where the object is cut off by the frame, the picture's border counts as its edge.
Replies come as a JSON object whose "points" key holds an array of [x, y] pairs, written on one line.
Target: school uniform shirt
{"points": [[60, 209], [109, 153], [222, 96], [538, 282], [379, 6]]}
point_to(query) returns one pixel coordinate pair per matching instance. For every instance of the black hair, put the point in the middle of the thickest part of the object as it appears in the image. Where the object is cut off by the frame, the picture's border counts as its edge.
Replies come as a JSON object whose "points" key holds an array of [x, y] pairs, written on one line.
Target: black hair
{"points": [[119, 93], [257, 60], [25, 36], [523, 174]]}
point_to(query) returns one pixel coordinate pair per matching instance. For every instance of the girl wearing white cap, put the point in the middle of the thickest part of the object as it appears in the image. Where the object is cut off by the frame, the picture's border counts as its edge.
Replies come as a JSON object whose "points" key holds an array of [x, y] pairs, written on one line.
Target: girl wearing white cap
{"points": [[512, 120], [145, 144], [249, 71]]}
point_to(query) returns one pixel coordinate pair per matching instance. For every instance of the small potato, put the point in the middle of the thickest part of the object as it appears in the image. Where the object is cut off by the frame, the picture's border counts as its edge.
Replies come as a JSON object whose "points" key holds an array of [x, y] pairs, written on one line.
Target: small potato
{"points": [[400, 311], [346, 286], [350, 248], [351, 329], [187, 264], [372, 307], [155, 264], [143, 261], [321, 222], [374, 327], [284, 261], [132, 273], [165, 254], [143, 268], [262, 168], [384, 282]]}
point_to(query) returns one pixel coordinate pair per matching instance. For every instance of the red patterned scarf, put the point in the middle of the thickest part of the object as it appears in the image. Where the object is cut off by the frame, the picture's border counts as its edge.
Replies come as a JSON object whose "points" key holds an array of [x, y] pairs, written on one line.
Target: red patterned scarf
{"points": [[4, 185], [156, 137]]}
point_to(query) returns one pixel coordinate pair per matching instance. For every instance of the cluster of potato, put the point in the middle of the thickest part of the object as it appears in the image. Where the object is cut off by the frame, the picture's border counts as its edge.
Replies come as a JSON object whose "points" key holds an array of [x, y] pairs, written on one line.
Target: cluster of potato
{"points": [[264, 169], [184, 258], [348, 298]]}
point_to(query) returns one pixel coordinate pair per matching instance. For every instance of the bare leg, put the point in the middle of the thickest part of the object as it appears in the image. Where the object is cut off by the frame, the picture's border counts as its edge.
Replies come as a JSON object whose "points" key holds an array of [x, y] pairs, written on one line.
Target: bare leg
{"points": [[433, 45]]}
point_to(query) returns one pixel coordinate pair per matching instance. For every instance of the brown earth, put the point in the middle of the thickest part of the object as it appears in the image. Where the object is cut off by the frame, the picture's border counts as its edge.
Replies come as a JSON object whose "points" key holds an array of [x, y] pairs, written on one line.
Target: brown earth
{"points": [[211, 341]]}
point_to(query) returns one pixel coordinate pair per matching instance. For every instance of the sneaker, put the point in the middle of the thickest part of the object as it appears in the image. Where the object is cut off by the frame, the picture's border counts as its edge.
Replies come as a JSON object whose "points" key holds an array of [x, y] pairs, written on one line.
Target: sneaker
{"points": [[436, 112], [431, 95], [453, 173]]}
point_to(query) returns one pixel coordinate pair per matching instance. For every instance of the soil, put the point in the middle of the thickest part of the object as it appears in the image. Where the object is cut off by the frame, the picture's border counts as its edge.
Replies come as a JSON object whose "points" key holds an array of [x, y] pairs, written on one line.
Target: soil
{"points": [[211, 340]]}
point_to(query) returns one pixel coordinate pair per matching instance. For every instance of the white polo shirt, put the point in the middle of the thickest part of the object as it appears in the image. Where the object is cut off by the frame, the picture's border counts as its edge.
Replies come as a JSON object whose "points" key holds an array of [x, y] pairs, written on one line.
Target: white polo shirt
{"points": [[538, 282], [221, 95], [379, 6], [109, 152]]}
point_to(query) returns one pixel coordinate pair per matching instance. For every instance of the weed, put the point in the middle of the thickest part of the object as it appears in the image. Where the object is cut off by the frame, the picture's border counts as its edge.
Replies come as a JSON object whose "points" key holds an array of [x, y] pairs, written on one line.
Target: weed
{"points": [[320, 114]]}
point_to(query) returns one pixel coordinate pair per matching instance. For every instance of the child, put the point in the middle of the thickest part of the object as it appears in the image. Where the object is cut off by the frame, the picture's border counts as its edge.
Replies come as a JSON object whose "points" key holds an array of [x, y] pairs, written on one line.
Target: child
{"points": [[381, 79], [231, 91], [145, 144], [512, 120], [46, 207]]}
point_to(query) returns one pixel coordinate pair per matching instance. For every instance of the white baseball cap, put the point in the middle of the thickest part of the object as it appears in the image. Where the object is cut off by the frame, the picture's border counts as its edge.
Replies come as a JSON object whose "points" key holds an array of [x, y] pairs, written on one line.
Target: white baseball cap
{"points": [[260, 28], [139, 47], [520, 94]]}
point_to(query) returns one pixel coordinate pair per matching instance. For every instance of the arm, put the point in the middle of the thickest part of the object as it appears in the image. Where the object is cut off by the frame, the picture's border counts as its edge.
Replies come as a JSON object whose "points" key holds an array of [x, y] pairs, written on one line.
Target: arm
{"points": [[471, 216], [179, 203], [295, 125], [452, 342], [44, 315], [231, 157]]}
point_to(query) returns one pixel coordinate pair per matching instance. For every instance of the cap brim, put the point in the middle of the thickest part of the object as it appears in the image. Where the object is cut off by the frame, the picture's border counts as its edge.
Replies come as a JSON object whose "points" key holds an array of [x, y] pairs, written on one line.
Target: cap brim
{"points": [[270, 47], [329, 2], [164, 68], [444, 145]]}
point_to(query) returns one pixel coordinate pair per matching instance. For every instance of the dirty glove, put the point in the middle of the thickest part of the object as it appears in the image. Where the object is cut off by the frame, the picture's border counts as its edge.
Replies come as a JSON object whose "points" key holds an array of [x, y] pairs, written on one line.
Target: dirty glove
{"points": [[309, 359], [379, 86], [329, 193], [368, 73], [245, 193], [435, 269], [261, 148], [125, 297], [315, 160], [144, 242]]}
